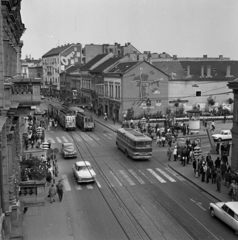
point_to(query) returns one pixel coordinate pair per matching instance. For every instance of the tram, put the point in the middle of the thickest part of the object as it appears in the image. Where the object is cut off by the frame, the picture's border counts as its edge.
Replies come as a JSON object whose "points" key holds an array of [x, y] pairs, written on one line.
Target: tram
{"points": [[65, 116], [85, 121]]}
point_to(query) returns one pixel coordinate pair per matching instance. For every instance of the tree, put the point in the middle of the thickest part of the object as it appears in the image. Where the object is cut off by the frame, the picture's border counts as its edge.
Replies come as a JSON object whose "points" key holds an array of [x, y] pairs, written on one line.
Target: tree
{"points": [[211, 101], [130, 114]]}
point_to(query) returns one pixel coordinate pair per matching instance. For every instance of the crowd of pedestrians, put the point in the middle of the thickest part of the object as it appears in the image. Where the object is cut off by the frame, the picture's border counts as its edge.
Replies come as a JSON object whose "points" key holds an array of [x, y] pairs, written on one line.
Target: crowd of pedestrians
{"points": [[33, 139]]}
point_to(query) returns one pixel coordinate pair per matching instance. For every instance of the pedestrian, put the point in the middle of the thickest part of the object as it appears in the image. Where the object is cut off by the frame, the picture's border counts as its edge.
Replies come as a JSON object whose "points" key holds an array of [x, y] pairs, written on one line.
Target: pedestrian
{"points": [[52, 193], [194, 165], [105, 116], [60, 191], [48, 178], [223, 170], [227, 178], [208, 174], [32, 143], [214, 174], [163, 140], [56, 125], [213, 126], [218, 163], [175, 152], [169, 153], [218, 180], [203, 171], [225, 118]]}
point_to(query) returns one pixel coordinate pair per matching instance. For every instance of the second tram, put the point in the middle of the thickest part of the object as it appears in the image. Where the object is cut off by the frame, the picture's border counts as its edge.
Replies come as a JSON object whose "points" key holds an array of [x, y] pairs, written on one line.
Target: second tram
{"points": [[85, 121]]}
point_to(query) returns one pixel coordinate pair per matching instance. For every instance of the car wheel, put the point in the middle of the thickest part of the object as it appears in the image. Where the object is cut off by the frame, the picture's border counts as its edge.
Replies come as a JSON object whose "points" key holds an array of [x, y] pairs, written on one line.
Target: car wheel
{"points": [[212, 213], [219, 139], [126, 153]]}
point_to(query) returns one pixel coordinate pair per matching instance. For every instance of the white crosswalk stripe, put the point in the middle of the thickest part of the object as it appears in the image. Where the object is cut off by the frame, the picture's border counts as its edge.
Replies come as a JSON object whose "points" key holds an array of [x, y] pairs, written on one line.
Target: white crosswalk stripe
{"points": [[94, 137], [107, 136], [64, 138], [78, 187], [166, 175], [89, 186], [127, 177], [85, 137], [120, 184], [58, 139], [156, 176], [138, 178], [97, 182]]}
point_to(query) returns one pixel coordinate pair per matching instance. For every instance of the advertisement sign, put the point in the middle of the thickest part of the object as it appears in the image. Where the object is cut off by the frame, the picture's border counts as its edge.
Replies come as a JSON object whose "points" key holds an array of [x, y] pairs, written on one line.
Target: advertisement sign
{"points": [[71, 56]]}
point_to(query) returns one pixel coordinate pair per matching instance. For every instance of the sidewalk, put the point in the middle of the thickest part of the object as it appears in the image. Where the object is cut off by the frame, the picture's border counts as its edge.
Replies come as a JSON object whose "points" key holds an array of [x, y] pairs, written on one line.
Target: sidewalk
{"points": [[48, 222]]}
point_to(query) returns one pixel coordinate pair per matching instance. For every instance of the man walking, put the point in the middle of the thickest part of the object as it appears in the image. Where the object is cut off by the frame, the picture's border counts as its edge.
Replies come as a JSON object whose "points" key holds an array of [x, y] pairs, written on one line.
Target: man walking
{"points": [[60, 192], [218, 180]]}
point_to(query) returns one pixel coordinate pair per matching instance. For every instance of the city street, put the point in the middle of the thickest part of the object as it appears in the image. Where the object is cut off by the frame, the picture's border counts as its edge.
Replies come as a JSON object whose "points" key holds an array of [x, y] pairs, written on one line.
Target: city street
{"points": [[131, 199]]}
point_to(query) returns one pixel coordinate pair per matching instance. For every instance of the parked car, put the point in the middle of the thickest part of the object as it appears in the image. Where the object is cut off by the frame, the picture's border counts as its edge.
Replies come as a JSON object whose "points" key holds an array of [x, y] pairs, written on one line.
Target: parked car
{"points": [[226, 212], [68, 150], [224, 135], [83, 172]]}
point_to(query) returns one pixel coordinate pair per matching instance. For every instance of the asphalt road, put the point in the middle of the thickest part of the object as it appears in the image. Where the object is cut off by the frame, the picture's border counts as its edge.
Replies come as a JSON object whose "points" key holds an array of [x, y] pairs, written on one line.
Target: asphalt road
{"points": [[132, 199]]}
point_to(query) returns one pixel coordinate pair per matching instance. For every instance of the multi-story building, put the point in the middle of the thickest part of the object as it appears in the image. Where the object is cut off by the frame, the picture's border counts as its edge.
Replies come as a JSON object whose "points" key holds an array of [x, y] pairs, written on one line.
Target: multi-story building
{"points": [[57, 60], [128, 86], [11, 30], [26, 64], [193, 81]]}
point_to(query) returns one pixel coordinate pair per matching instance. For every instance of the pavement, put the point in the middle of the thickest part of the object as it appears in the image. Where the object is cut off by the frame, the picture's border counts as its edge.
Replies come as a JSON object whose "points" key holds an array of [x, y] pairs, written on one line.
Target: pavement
{"points": [[51, 222]]}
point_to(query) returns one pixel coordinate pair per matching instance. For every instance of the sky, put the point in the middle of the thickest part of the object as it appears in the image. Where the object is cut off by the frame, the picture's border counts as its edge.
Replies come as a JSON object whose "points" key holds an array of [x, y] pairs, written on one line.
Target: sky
{"points": [[186, 28]]}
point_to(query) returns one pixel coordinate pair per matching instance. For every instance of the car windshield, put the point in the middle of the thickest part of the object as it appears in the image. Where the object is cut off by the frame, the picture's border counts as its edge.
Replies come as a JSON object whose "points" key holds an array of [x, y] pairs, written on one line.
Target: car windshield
{"points": [[82, 168], [69, 147]]}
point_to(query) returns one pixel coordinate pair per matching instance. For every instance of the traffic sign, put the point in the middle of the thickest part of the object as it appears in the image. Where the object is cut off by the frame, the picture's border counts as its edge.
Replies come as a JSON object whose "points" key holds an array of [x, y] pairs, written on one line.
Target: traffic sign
{"points": [[56, 150], [45, 145]]}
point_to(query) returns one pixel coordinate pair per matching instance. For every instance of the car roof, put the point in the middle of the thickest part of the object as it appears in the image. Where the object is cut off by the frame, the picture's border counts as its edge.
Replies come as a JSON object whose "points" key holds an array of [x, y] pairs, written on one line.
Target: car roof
{"points": [[233, 206], [83, 163], [225, 130]]}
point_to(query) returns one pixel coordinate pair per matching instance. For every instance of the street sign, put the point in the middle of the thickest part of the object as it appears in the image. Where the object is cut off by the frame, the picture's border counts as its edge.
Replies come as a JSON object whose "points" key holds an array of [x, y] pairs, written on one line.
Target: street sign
{"points": [[56, 150], [45, 145]]}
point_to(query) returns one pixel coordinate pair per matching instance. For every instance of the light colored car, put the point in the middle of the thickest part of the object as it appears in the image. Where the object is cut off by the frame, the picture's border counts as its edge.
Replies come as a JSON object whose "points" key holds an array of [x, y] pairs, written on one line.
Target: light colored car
{"points": [[37, 111], [68, 150], [224, 135], [83, 172], [226, 212]]}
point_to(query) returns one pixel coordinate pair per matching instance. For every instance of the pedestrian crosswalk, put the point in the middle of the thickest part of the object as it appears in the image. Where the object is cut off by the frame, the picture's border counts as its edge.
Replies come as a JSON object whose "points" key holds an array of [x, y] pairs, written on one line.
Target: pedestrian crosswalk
{"points": [[80, 138], [131, 177]]}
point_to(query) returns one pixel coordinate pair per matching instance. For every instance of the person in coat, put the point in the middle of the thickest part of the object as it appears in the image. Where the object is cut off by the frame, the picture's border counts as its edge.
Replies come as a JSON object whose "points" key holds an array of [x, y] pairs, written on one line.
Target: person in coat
{"points": [[52, 193], [218, 180]]}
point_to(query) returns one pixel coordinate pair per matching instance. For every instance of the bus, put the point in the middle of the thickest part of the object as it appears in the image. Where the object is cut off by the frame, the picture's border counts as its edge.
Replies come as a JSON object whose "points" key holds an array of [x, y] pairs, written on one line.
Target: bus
{"points": [[134, 144], [85, 121]]}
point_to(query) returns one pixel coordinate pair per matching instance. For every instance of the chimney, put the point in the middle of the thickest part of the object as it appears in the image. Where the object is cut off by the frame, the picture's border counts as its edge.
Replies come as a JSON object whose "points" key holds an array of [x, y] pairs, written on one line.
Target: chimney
{"points": [[115, 43], [188, 71], [202, 71], [208, 71], [204, 56], [228, 71], [220, 56], [175, 57], [128, 43]]}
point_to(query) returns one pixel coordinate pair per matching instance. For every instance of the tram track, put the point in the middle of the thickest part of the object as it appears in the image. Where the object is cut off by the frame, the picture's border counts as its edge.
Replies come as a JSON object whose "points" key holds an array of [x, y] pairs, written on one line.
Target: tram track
{"points": [[118, 198]]}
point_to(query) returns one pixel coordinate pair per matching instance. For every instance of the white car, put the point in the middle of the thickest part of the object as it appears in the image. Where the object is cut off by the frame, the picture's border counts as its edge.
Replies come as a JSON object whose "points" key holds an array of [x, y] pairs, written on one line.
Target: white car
{"points": [[83, 172], [226, 212], [224, 135]]}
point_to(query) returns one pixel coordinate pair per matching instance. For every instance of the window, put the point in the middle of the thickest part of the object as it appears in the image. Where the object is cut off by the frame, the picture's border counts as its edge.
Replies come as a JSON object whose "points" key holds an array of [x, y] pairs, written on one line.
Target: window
{"points": [[198, 93], [230, 212]]}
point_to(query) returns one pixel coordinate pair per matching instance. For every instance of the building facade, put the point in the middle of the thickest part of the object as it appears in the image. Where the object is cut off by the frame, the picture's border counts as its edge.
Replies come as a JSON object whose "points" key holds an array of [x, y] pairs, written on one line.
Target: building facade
{"points": [[57, 60], [128, 86], [11, 30], [194, 81]]}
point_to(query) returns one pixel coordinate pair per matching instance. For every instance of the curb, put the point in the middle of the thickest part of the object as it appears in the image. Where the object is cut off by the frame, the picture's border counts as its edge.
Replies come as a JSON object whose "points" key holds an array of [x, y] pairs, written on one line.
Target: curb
{"points": [[219, 200], [104, 125]]}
